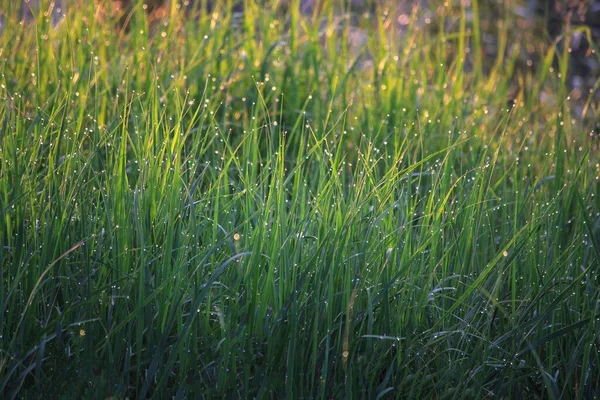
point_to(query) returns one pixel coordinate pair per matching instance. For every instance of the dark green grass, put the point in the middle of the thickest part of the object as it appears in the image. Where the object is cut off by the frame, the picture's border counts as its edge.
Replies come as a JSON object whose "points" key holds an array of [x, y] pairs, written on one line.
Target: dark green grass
{"points": [[257, 206]]}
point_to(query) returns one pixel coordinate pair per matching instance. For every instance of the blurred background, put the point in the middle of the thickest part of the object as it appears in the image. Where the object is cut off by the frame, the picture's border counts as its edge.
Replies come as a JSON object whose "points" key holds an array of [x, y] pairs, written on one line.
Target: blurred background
{"points": [[537, 24]]}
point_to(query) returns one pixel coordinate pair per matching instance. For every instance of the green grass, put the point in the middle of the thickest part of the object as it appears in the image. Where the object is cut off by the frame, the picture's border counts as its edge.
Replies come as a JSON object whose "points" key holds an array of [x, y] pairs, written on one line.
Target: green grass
{"points": [[256, 205]]}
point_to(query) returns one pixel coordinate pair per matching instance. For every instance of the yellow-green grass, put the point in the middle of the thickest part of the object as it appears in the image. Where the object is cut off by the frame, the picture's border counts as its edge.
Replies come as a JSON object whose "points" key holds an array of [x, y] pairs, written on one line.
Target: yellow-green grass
{"points": [[253, 205]]}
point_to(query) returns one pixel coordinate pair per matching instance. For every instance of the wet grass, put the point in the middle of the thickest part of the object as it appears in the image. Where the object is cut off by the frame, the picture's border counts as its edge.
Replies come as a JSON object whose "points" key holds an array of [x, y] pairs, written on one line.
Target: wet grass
{"points": [[254, 205]]}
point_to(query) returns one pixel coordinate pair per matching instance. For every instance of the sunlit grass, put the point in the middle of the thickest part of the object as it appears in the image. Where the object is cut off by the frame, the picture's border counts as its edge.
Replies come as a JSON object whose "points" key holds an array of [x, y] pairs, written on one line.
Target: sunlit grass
{"points": [[275, 204]]}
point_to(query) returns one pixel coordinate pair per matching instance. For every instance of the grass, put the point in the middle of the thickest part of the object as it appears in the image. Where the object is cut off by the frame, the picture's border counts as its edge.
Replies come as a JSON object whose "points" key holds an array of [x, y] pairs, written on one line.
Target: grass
{"points": [[258, 205]]}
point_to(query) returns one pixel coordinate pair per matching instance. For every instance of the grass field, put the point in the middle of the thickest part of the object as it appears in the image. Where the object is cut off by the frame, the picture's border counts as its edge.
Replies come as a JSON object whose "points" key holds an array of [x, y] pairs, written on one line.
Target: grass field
{"points": [[260, 204]]}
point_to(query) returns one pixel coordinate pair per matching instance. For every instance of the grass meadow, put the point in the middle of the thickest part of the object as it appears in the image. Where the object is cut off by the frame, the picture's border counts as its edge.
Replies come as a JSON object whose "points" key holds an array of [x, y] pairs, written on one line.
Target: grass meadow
{"points": [[274, 203]]}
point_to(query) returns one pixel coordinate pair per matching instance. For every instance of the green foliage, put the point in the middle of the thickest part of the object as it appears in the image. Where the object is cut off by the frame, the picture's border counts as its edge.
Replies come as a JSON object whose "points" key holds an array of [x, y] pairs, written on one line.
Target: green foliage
{"points": [[258, 204]]}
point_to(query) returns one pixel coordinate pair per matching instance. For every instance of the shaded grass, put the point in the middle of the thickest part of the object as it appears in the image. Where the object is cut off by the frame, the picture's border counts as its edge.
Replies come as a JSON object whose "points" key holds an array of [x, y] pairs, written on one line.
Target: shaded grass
{"points": [[221, 205]]}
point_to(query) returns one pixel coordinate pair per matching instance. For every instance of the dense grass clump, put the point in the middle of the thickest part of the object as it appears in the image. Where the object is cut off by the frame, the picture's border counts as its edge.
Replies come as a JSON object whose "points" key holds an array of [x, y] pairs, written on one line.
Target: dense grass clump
{"points": [[274, 203]]}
